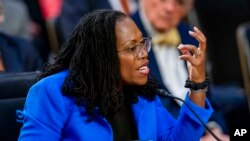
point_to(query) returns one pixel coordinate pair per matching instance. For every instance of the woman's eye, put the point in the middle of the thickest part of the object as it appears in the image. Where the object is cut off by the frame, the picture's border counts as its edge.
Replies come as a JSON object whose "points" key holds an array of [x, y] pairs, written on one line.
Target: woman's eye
{"points": [[133, 48]]}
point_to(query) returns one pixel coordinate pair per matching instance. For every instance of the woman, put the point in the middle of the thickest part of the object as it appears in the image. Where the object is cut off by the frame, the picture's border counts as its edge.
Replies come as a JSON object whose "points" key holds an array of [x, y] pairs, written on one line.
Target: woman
{"points": [[99, 88]]}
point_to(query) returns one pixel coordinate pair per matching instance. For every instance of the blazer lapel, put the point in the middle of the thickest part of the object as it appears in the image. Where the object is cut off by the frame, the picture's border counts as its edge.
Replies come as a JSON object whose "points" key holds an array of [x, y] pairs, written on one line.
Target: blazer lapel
{"points": [[144, 114]]}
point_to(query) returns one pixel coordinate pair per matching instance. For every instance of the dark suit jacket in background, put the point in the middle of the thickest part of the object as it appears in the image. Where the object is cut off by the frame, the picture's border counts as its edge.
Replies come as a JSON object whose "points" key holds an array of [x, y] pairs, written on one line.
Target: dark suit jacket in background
{"points": [[18, 54]]}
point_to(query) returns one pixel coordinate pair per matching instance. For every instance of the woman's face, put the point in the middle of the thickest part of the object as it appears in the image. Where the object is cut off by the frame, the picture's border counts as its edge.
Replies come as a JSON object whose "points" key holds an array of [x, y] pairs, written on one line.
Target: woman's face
{"points": [[133, 64]]}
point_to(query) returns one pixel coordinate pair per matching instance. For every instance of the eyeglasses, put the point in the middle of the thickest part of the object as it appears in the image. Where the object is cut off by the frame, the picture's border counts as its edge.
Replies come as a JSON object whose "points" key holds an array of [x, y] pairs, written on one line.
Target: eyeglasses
{"points": [[137, 50]]}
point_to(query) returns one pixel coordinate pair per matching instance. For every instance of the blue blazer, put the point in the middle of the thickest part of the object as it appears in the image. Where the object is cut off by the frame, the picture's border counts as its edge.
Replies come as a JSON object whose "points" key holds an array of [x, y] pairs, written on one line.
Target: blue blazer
{"points": [[49, 115]]}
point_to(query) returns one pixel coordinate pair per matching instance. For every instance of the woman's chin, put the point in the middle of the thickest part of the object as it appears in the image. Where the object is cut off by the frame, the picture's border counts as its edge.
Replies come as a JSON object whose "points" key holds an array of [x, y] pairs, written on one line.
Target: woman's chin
{"points": [[142, 81]]}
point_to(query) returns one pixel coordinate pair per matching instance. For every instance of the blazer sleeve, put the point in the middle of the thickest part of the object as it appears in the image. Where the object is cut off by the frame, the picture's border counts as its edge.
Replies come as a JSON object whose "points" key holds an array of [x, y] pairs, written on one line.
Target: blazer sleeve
{"points": [[187, 126]]}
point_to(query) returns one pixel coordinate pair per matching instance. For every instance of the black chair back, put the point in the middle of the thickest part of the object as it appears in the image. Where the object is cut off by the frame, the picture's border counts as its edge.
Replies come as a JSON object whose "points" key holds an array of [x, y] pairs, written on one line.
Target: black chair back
{"points": [[13, 91]]}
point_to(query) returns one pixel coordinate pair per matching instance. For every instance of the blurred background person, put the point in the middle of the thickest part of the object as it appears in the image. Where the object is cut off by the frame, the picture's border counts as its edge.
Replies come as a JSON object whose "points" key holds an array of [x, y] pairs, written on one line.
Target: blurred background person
{"points": [[38, 29], [17, 54], [16, 19]]}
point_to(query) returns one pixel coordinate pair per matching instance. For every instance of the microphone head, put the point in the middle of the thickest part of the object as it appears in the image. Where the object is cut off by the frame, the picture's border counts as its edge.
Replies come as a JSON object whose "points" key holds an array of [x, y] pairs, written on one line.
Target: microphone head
{"points": [[162, 92]]}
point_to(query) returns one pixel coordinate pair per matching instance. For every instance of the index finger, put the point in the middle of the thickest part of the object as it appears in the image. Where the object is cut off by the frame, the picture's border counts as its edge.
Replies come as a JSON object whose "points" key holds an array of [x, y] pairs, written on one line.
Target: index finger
{"points": [[198, 35]]}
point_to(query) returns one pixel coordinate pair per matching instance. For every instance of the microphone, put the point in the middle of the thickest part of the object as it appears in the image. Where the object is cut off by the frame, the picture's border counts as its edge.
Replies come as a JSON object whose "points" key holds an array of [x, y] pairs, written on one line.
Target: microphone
{"points": [[166, 94]]}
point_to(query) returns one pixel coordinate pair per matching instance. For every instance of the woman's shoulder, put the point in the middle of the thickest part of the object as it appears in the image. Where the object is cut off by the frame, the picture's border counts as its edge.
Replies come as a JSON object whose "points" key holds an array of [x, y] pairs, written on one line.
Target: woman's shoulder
{"points": [[47, 94], [55, 79], [49, 87]]}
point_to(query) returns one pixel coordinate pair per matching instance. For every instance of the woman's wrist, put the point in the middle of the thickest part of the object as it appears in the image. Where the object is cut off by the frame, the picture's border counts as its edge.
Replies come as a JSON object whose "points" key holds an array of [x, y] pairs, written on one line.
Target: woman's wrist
{"points": [[197, 87], [204, 90]]}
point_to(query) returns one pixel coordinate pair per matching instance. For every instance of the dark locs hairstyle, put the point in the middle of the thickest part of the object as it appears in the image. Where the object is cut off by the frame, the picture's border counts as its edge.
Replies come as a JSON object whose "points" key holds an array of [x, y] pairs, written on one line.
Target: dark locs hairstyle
{"points": [[90, 55]]}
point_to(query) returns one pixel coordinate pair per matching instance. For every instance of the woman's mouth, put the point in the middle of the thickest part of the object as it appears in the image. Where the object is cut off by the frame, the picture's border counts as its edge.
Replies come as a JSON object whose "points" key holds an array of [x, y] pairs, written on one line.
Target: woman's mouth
{"points": [[144, 70]]}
